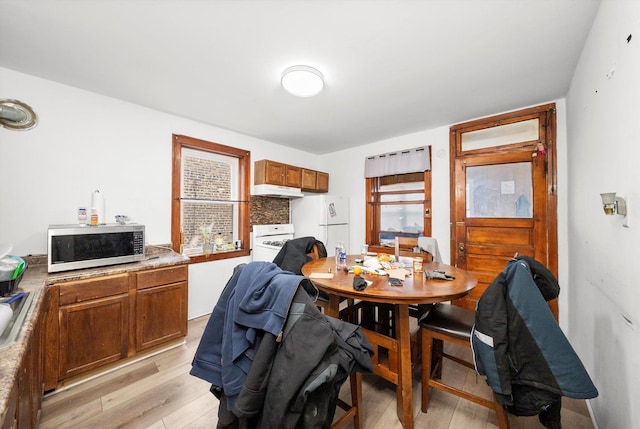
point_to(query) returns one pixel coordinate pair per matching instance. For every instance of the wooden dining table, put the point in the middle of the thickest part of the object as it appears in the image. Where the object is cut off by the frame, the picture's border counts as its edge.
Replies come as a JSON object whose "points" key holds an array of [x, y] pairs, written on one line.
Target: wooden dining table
{"points": [[395, 364]]}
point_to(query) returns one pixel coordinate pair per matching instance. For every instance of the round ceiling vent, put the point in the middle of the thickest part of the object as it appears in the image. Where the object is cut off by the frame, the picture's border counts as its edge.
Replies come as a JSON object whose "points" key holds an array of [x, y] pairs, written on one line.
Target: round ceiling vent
{"points": [[16, 115]]}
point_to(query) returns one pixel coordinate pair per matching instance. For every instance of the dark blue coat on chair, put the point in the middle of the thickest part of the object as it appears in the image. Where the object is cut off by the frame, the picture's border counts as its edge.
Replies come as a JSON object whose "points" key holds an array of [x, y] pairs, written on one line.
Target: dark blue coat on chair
{"points": [[273, 359], [520, 347]]}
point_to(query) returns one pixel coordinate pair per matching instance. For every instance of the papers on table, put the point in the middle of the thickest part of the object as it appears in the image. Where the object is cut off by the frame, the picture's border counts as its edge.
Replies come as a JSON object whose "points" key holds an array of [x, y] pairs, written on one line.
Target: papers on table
{"points": [[399, 273], [321, 275]]}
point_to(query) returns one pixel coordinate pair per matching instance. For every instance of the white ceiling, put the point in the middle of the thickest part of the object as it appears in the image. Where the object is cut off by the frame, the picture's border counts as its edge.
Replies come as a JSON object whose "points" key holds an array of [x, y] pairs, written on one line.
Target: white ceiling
{"points": [[391, 67]]}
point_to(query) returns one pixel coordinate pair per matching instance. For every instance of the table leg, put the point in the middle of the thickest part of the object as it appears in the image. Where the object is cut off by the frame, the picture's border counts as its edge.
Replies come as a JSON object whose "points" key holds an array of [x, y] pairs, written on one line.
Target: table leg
{"points": [[404, 390]]}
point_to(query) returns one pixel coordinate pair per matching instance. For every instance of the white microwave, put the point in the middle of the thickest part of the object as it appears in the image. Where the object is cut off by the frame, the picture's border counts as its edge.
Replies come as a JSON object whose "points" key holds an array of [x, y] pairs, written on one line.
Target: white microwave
{"points": [[73, 247]]}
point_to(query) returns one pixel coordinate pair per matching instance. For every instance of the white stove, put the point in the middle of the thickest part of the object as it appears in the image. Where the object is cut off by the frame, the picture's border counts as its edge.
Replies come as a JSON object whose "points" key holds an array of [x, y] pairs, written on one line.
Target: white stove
{"points": [[268, 239]]}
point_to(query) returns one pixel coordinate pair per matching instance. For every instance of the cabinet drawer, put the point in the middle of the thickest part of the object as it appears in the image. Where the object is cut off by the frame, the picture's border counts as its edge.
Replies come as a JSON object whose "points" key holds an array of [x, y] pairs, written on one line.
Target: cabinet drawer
{"points": [[161, 276], [85, 290]]}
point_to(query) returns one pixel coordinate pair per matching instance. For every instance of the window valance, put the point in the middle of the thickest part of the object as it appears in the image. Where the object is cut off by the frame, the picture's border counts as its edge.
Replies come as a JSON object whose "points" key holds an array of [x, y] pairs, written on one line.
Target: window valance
{"points": [[400, 162]]}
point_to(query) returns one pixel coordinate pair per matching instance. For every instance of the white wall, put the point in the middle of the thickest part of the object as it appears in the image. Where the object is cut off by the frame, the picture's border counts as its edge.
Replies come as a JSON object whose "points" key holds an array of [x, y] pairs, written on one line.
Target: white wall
{"points": [[346, 173], [346, 177], [603, 116], [85, 141]]}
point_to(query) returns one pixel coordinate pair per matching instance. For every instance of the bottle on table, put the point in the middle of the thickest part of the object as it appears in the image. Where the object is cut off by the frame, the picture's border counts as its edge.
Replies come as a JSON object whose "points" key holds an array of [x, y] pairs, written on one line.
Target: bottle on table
{"points": [[341, 255]]}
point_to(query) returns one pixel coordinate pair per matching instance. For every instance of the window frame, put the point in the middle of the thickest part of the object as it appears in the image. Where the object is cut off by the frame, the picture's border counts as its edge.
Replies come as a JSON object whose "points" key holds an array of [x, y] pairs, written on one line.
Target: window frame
{"points": [[373, 204], [244, 183]]}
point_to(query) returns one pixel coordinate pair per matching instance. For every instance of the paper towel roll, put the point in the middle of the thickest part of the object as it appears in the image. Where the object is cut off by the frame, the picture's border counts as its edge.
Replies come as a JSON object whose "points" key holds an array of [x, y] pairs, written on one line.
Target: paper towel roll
{"points": [[97, 204], [5, 317]]}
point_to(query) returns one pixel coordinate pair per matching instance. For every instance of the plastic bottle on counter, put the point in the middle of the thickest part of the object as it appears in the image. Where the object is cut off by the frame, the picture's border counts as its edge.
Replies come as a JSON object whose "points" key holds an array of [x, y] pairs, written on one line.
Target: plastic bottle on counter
{"points": [[94, 217], [82, 215]]}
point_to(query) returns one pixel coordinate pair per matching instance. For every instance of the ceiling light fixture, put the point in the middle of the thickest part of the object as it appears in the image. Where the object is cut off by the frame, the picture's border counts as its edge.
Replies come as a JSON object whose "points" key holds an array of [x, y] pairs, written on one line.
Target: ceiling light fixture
{"points": [[302, 81]]}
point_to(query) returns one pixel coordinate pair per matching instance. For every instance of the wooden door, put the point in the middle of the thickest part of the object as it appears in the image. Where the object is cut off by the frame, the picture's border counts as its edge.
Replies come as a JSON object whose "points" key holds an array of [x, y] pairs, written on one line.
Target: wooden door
{"points": [[504, 194]]}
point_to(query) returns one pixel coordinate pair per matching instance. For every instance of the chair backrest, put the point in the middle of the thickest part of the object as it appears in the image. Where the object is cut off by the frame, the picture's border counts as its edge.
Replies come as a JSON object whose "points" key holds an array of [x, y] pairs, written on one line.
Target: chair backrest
{"points": [[408, 246], [297, 252], [430, 244], [315, 253]]}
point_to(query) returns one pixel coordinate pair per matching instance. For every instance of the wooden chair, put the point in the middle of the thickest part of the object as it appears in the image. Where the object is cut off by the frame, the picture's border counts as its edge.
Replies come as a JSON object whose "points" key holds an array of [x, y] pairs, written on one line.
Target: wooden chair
{"points": [[406, 246], [321, 301], [353, 410], [447, 322], [314, 254]]}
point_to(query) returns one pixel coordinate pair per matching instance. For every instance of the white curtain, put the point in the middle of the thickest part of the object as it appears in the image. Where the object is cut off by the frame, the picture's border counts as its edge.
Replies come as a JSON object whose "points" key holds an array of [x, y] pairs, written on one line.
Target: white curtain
{"points": [[401, 162]]}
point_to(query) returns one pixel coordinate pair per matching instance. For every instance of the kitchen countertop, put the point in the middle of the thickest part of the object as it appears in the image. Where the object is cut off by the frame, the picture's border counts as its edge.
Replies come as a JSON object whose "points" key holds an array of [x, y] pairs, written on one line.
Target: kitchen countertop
{"points": [[35, 280]]}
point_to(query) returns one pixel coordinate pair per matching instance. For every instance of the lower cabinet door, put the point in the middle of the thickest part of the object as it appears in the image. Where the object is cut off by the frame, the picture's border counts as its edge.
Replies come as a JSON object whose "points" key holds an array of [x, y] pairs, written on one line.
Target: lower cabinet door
{"points": [[161, 314], [92, 334]]}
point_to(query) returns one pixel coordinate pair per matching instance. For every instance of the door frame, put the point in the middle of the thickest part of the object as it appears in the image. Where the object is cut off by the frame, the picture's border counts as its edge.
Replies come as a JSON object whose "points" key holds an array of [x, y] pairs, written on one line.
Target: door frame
{"points": [[547, 115]]}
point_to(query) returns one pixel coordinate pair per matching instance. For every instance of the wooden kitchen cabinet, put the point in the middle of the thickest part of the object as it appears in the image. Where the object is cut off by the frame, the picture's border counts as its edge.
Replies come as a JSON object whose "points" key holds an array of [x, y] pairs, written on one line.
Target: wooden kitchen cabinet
{"points": [[161, 301], [11, 418], [25, 399], [293, 176], [309, 178], [322, 182], [314, 181], [93, 323], [97, 321], [277, 173]]}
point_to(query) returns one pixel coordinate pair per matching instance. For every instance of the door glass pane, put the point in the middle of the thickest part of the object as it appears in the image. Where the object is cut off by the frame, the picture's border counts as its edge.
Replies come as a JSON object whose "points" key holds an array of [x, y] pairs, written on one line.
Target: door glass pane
{"points": [[517, 132], [503, 191]]}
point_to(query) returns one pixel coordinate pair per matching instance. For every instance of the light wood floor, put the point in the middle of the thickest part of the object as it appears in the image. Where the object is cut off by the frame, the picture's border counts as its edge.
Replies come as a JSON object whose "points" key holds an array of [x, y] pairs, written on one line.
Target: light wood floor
{"points": [[159, 393]]}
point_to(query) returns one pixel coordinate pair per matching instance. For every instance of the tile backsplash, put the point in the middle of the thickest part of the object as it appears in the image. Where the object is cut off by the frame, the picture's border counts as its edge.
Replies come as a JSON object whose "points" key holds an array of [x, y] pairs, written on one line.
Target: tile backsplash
{"points": [[269, 210]]}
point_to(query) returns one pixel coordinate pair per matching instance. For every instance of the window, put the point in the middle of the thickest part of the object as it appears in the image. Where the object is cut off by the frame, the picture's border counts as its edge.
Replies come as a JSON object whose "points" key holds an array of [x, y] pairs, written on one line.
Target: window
{"points": [[398, 205], [210, 199]]}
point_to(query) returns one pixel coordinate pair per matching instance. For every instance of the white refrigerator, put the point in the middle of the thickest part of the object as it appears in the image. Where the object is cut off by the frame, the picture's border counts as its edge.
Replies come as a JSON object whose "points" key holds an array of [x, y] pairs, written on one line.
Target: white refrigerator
{"points": [[325, 217]]}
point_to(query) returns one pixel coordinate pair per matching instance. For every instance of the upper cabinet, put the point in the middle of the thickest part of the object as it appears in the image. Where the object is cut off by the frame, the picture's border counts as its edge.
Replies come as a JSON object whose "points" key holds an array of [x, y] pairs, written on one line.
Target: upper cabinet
{"points": [[293, 176], [322, 182], [277, 173], [309, 178], [315, 181]]}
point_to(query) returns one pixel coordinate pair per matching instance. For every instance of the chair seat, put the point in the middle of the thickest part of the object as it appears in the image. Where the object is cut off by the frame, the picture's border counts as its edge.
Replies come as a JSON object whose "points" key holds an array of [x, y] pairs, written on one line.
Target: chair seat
{"points": [[449, 323], [449, 320]]}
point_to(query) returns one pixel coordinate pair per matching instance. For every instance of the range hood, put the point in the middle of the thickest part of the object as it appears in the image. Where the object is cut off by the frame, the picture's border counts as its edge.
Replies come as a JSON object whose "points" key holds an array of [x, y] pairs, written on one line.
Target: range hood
{"points": [[277, 191]]}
